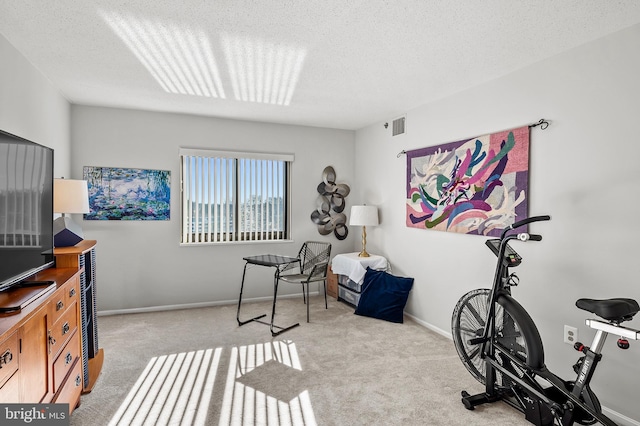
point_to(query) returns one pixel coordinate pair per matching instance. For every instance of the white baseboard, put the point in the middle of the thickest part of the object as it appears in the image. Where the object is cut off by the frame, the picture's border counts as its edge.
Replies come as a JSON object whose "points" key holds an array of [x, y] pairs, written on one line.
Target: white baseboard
{"points": [[431, 327], [621, 419], [194, 305]]}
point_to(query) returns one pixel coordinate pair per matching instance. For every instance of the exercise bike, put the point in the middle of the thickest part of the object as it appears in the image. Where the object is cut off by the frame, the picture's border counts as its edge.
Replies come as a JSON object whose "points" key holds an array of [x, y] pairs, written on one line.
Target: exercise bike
{"points": [[501, 347]]}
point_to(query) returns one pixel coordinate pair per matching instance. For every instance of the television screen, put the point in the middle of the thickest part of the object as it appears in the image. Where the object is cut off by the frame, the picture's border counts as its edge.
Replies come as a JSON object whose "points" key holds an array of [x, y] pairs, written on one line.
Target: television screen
{"points": [[26, 209]]}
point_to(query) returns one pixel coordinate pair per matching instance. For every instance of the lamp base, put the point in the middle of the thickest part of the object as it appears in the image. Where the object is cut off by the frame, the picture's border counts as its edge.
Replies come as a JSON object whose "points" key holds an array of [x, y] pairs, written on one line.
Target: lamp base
{"points": [[66, 232], [364, 253]]}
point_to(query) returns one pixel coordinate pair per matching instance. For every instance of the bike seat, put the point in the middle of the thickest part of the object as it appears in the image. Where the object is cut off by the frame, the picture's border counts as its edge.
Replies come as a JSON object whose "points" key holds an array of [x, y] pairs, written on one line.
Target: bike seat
{"points": [[616, 310]]}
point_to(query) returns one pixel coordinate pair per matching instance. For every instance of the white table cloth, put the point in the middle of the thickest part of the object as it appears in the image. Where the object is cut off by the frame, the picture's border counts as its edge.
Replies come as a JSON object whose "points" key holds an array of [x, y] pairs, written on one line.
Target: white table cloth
{"points": [[353, 266]]}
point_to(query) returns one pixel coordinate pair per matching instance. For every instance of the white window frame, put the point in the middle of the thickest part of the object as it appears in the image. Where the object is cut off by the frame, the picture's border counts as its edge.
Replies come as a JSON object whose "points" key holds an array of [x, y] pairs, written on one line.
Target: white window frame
{"points": [[235, 160]]}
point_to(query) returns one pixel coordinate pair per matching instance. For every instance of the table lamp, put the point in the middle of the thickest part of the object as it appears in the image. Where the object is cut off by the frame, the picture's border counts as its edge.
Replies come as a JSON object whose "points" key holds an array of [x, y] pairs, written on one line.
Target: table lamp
{"points": [[69, 196], [364, 216]]}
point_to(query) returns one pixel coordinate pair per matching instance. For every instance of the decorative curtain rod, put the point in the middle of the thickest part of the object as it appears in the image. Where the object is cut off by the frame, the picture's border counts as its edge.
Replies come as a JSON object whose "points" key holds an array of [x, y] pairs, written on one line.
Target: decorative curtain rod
{"points": [[542, 123]]}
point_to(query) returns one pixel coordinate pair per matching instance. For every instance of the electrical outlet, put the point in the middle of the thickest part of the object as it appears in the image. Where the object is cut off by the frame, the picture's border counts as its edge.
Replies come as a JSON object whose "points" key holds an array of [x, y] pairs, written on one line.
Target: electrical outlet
{"points": [[570, 334]]}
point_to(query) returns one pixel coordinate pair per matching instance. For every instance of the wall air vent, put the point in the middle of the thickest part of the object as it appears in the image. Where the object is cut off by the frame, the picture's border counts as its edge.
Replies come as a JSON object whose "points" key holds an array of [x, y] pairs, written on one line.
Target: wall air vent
{"points": [[398, 126]]}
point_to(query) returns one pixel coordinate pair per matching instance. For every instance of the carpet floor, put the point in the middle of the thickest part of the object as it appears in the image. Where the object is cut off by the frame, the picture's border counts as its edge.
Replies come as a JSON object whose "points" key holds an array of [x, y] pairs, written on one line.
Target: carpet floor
{"points": [[197, 366]]}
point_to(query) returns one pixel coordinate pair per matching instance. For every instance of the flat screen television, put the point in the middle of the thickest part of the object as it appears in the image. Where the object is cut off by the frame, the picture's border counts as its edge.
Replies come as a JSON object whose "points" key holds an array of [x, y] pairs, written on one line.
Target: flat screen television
{"points": [[26, 209]]}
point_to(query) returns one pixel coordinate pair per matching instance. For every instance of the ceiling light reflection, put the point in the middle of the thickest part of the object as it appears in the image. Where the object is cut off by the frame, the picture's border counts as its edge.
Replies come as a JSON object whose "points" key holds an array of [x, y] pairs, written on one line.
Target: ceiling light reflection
{"points": [[261, 71], [179, 58]]}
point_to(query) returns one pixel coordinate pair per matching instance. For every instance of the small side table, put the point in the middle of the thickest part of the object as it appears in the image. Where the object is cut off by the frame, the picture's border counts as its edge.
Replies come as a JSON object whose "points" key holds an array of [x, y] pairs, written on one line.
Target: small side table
{"points": [[350, 269], [278, 263], [332, 283]]}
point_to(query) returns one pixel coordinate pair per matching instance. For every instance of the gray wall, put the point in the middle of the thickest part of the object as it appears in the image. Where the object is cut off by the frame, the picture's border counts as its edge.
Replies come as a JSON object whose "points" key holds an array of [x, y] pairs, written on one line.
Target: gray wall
{"points": [[31, 107], [141, 264], [583, 172]]}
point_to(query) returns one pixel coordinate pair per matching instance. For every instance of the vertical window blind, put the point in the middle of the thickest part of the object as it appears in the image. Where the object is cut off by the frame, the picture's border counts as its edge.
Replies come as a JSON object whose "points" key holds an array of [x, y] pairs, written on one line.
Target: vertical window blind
{"points": [[234, 196]]}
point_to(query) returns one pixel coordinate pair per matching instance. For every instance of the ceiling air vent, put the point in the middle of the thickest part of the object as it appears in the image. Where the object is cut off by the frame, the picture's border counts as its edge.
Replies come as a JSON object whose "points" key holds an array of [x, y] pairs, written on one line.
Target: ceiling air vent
{"points": [[398, 126]]}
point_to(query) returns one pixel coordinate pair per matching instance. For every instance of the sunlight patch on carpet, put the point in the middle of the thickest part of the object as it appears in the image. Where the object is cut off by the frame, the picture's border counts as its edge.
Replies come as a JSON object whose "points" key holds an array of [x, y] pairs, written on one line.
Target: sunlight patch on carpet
{"points": [[250, 399], [173, 389], [178, 389]]}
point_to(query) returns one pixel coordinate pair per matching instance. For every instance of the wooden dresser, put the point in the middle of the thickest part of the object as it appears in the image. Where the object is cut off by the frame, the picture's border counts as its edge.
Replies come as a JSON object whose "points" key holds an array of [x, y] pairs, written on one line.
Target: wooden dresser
{"points": [[40, 346], [48, 347]]}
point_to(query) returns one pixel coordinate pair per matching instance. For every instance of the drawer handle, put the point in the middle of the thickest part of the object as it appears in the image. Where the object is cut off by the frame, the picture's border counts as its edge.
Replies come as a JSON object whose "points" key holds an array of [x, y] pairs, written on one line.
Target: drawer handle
{"points": [[72, 292], [65, 328], [78, 380], [68, 359], [6, 358], [52, 341], [59, 305]]}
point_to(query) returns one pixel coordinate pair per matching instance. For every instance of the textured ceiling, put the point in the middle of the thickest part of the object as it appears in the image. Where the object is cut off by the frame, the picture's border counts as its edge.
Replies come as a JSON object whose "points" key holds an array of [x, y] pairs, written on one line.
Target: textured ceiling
{"points": [[328, 63]]}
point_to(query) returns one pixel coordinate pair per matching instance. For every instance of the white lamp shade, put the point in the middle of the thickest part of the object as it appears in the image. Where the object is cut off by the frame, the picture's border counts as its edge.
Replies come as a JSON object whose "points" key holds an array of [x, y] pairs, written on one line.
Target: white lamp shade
{"points": [[364, 216], [70, 196]]}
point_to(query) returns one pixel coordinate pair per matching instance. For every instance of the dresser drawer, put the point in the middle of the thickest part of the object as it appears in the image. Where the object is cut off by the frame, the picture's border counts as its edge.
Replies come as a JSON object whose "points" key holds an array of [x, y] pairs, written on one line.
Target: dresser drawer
{"points": [[9, 357], [65, 361], [64, 297], [70, 391], [10, 391], [62, 329]]}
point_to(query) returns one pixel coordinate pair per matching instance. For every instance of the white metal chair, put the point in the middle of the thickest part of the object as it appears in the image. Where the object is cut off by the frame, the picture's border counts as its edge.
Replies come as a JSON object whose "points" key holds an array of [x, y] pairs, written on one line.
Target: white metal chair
{"points": [[314, 261]]}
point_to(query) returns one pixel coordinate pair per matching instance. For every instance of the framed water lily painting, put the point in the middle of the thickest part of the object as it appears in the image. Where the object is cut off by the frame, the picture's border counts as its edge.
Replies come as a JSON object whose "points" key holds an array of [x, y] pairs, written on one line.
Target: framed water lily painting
{"points": [[128, 194]]}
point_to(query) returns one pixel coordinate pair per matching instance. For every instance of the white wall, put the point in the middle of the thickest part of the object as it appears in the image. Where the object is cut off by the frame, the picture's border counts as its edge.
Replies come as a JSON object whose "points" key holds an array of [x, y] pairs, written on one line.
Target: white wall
{"points": [[31, 107], [584, 172], [140, 263]]}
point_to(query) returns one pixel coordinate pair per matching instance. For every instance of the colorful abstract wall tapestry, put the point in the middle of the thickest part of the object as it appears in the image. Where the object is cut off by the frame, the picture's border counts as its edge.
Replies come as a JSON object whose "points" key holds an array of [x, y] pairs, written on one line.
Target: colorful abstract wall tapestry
{"points": [[473, 186], [128, 194]]}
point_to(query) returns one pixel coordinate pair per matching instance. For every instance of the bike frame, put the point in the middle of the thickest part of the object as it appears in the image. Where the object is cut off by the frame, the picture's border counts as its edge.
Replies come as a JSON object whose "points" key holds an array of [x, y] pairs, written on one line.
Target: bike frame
{"points": [[561, 401]]}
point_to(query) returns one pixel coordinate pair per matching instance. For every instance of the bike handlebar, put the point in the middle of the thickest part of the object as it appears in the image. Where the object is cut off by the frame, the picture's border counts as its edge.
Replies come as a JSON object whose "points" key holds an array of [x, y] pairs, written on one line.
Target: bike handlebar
{"points": [[525, 222], [529, 220]]}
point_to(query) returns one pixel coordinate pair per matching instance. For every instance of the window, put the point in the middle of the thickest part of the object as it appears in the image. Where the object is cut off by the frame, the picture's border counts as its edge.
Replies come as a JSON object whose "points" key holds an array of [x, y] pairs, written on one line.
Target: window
{"points": [[234, 196]]}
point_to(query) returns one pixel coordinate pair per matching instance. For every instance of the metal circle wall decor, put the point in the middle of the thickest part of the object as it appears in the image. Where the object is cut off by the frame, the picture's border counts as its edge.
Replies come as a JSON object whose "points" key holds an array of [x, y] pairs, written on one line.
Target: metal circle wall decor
{"points": [[328, 215]]}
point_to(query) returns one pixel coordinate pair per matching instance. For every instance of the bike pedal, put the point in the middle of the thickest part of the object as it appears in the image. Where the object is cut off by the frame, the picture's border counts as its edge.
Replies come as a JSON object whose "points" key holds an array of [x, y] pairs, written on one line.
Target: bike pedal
{"points": [[478, 340], [623, 343]]}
